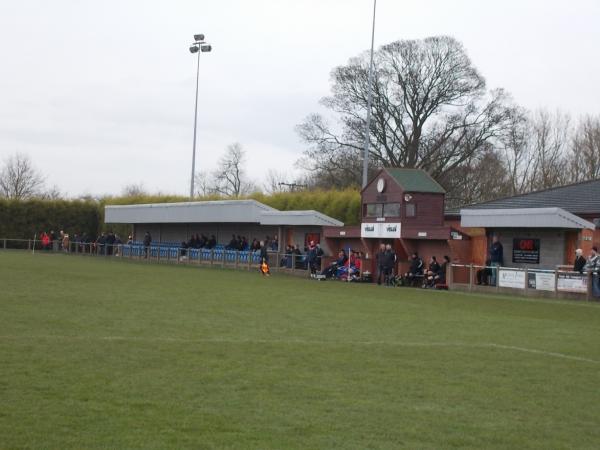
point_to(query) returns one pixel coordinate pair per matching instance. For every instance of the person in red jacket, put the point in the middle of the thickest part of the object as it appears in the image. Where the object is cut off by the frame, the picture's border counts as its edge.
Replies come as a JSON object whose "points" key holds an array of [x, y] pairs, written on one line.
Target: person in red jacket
{"points": [[45, 240]]}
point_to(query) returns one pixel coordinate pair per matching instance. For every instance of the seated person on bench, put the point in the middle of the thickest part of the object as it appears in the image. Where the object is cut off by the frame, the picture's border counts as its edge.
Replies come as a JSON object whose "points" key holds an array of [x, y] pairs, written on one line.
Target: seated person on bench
{"points": [[341, 261], [415, 271], [433, 273]]}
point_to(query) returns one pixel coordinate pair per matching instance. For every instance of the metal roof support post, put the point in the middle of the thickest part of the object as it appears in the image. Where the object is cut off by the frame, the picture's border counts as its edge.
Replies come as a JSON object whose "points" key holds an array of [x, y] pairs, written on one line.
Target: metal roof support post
{"points": [[471, 277]]}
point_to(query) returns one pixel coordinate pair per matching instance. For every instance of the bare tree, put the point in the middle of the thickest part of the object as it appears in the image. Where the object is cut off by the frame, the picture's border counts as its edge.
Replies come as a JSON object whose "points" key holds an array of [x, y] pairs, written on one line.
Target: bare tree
{"points": [[230, 177], [19, 179], [430, 110], [274, 181], [549, 140], [134, 190], [204, 184], [584, 159]]}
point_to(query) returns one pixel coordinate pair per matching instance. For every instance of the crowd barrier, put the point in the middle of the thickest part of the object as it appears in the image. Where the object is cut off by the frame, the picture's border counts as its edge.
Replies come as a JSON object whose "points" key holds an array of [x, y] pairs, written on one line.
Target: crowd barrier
{"points": [[557, 283], [166, 252]]}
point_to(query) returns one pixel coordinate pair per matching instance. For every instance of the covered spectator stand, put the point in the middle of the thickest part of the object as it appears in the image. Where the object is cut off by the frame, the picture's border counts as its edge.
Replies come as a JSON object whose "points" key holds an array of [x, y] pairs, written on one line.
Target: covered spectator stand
{"points": [[173, 223]]}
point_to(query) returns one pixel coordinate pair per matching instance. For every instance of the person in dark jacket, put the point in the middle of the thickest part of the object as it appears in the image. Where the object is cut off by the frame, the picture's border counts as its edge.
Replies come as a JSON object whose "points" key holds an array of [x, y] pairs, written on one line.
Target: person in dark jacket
{"points": [[379, 259], [389, 264], [147, 242], [432, 273], [580, 261], [415, 271], [496, 258], [484, 274]]}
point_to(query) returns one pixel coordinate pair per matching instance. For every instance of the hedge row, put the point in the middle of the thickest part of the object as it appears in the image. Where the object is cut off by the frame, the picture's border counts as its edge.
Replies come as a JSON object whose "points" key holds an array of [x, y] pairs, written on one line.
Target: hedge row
{"points": [[23, 219]]}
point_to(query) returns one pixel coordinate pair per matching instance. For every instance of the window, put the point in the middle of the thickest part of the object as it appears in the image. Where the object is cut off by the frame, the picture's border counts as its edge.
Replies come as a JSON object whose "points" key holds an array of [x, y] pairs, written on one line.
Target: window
{"points": [[391, 210], [374, 210], [411, 210]]}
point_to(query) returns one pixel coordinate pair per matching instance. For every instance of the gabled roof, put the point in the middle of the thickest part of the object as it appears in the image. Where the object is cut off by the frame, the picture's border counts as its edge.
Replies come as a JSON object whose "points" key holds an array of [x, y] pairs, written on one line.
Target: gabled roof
{"points": [[222, 211], [578, 198], [415, 180], [522, 218]]}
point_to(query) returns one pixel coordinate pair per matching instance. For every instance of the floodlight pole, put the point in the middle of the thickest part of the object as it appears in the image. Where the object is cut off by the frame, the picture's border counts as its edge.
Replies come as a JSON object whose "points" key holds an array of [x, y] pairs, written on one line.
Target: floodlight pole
{"points": [[195, 125], [369, 102]]}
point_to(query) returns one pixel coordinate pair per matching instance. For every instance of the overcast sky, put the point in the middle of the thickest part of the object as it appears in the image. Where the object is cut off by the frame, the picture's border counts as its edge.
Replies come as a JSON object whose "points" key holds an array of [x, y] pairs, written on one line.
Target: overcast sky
{"points": [[101, 94]]}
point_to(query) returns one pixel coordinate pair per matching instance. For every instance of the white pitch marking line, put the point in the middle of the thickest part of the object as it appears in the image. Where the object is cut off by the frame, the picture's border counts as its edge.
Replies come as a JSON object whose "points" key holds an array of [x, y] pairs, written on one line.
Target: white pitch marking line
{"points": [[312, 342]]}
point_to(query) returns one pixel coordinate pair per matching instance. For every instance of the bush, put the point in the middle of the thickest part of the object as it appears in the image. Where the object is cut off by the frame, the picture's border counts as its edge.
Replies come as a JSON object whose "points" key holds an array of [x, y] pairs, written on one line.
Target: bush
{"points": [[24, 219]]}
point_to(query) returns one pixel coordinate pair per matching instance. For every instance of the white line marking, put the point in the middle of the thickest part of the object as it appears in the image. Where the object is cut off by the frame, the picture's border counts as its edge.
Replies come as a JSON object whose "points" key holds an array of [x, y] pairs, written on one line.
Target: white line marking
{"points": [[309, 342]]}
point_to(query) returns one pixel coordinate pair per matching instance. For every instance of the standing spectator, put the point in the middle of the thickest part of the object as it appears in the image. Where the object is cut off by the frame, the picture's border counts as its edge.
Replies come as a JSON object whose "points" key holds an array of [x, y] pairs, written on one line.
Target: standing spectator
{"points": [[147, 242], [65, 242], [312, 258], [110, 242], [389, 264], [444, 270], [496, 258], [379, 257], [275, 244], [593, 263], [45, 240], [580, 261]]}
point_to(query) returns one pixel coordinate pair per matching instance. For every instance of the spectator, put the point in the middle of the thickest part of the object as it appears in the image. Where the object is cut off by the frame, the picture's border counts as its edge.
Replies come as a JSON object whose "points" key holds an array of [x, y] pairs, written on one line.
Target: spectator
{"points": [[110, 242], [443, 270], [389, 264], [341, 261], [593, 263], [233, 243], [415, 271], [212, 242], [312, 258], [483, 275], [275, 244], [147, 242], [379, 258], [130, 240], [580, 261], [433, 273], [65, 242], [45, 239], [496, 258], [100, 243]]}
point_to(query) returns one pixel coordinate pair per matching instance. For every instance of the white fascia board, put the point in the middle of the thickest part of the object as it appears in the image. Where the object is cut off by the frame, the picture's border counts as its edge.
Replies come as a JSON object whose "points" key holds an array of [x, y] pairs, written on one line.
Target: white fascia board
{"points": [[522, 218]]}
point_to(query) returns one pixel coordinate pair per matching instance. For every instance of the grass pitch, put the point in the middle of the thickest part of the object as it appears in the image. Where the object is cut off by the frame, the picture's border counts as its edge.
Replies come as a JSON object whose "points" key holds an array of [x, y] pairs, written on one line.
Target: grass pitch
{"points": [[101, 354]]}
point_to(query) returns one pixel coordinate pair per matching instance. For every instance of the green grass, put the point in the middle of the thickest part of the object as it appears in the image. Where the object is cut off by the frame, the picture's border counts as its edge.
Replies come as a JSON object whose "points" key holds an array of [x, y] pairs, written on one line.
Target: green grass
{"points": [[98, 354]]}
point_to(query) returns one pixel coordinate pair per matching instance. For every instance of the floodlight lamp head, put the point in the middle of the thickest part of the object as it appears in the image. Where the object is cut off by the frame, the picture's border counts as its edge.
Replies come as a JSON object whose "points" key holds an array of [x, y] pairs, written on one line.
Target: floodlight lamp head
{"points": [[198, 37], [194, 49], [206, 48]]}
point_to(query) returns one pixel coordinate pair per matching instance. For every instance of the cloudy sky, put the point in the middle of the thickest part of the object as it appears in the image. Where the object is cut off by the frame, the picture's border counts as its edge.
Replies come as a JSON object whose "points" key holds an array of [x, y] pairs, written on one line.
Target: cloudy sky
{"points": [[101, 94]]}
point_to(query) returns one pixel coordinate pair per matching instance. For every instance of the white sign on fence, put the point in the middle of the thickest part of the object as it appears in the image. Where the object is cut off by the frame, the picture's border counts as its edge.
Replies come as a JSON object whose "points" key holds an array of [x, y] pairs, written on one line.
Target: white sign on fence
{"points": [[572, 282], [380, 230], [511, 278], [541, 281]]}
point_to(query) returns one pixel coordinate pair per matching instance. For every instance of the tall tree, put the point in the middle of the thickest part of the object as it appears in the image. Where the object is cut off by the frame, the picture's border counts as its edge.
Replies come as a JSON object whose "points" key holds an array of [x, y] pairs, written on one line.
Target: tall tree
{"points": [[19, 179], [430, 110], [230, 177], [584, 159]]}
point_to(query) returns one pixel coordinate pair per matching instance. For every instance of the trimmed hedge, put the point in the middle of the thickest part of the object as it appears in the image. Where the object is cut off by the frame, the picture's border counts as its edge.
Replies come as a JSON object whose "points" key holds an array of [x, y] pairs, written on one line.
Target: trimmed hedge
{"points": [[23, 219]]}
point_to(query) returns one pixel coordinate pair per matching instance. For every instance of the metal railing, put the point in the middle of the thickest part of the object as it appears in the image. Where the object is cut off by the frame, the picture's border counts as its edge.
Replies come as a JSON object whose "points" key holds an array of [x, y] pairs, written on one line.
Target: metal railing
{"points": [[559, 282], [163, 253]]}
